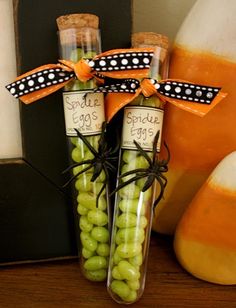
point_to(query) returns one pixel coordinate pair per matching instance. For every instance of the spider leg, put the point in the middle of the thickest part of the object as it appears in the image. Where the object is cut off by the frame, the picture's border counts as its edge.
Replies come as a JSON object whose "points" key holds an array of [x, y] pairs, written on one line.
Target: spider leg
{"points": [[168, 152], [120, 186], [86, 142], [77, 174], [148, 182], [97, 171], [83, 162], [163, 178], [160, 194]]}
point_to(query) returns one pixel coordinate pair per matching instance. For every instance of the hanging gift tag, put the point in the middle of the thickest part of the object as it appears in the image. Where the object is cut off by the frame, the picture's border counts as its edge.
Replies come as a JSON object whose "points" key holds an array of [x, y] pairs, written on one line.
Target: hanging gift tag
{"points": [[141, 124], [83, 111]]}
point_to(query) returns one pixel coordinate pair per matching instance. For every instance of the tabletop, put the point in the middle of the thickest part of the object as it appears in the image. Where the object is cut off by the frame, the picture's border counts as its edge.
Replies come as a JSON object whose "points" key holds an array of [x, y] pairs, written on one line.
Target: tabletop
{"points": [[60, 284]]}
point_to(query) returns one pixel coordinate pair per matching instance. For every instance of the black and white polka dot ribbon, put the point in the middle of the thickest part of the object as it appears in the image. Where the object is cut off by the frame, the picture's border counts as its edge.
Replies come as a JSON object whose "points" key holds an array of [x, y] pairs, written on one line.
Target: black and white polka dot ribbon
{"points": [[170, 88], [123, 68]]}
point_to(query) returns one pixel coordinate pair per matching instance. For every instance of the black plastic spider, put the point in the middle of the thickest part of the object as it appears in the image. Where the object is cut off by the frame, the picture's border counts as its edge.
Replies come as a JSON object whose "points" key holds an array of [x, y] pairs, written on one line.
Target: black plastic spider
{"points": [[153, 172], [104, 159]]}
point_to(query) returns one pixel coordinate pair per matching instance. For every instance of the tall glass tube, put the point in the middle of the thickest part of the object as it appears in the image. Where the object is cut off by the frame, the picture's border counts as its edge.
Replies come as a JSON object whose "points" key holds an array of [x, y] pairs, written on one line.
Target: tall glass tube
{"points": [[134, 208], [84, 110]]}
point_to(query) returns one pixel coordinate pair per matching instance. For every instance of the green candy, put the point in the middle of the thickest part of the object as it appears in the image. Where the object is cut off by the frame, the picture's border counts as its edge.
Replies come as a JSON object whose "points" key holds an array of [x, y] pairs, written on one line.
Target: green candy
{"points": [[136, 260], [129, 250], [129, 156], [133, 206], [103, 250], [100, 234], [88, 200], [132, 296], [84, 182], [128, 271], [84, 224], [116, 274], [95, 263], [96, 188], [87, 241], [131, 191], [99, 275], [87, 253], [76, 155], [120, 288], [134, 284], [126, 220], [76, 54], [133, 234], [143, 222], [82, 210], [116, 257], [97, 217]]}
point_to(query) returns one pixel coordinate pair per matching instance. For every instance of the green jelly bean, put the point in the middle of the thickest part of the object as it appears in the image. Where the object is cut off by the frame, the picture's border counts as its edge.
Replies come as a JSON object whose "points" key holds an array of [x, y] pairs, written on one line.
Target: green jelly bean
{"points": [[74, 140], [84, 224], [128, 271], [88, 155], [140, 183], [96, 188], [82, 210], [103, 250], [136, 260], [77, 169], [116, 274], [120, 288], [87, 253], [143, 222], [100, 234], [116, 257], [134, 284], [95, 263], [76, 155], [76, 54], [129, 250], [87, 241], [97, 217], [152, 101], [84, 182], [131, 191], [89, 54], [133, 234], [132, 296], [88, 200], [99, 275], [125, 168], [129, 156], [133, 206], [126, 220]]}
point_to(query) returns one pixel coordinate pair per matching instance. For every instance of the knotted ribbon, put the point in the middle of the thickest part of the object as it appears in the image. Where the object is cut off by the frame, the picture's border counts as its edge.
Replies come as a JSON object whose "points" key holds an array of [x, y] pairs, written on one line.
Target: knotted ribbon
{"points": [[124, 68]]}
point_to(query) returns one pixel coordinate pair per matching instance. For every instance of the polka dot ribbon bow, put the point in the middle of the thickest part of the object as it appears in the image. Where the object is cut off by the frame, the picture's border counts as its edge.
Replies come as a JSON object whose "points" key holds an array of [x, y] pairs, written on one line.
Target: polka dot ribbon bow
{"points": [[125, 67]]}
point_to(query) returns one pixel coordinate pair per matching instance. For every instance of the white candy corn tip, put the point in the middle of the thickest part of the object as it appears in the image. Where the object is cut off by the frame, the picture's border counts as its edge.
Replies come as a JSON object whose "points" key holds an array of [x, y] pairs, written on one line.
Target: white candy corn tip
{"points": [[224, 175]]}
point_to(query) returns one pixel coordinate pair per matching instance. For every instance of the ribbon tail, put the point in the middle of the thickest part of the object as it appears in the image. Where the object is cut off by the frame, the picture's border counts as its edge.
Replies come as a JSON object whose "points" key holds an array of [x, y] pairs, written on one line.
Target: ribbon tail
{"points": [[40, 82], [197, 109]]}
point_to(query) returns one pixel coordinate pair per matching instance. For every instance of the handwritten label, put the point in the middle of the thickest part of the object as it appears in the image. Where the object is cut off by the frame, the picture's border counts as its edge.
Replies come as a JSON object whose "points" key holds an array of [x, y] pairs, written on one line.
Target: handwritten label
{"points": [[84, 111], [141, 124]]}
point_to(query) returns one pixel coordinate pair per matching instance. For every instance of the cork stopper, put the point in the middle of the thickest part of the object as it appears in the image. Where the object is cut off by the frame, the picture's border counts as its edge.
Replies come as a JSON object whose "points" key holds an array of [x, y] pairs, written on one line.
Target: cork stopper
{"points": [[77, 21], [149, 39], [81, 29]]}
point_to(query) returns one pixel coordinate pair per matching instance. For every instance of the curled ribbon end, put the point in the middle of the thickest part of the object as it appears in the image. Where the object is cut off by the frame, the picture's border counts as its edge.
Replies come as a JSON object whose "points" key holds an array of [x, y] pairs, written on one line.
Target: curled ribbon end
{"points": [[83, 70], [147, 87]]}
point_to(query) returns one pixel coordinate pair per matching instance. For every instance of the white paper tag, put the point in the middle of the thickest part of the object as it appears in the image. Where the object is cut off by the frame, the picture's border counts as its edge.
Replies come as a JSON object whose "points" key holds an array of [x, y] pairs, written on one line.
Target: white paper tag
{"points": [[84, 111], [141, 124]]}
